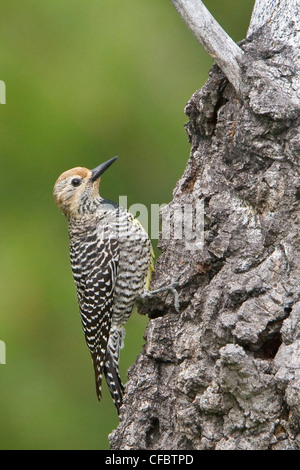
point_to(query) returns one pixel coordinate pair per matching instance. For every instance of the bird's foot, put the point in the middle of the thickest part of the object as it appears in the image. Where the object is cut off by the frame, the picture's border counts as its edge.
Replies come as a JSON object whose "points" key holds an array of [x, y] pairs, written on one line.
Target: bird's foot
{"points": [[147, 294]]}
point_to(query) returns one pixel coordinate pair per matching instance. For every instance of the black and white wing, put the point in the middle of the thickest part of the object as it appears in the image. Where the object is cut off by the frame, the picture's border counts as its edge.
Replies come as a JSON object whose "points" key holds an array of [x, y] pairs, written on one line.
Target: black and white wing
{"points": [[95, 289]]}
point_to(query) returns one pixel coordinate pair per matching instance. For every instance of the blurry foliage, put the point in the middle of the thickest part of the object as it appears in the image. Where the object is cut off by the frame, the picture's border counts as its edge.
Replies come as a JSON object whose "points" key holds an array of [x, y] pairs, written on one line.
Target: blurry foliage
{"points": [[86, 80]]}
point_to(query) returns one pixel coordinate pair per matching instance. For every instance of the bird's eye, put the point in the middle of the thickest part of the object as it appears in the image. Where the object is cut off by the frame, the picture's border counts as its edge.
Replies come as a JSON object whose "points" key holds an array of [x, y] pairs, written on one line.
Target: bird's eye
{"points": [[75, 182]]}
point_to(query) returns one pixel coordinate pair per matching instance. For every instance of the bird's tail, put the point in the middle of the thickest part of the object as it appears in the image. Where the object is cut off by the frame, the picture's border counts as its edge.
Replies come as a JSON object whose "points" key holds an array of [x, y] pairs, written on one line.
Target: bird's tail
{"points": [[111, 366], [98, 362]]}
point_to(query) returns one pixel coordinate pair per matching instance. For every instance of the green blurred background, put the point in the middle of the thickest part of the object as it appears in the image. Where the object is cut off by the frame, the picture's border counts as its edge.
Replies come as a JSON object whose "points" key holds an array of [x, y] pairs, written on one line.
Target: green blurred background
{"points": [[86, 80]]}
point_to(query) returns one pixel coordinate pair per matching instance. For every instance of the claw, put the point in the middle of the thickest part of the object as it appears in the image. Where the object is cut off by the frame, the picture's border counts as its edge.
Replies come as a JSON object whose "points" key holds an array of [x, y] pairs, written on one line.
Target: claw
{"points": [[171, 287]]}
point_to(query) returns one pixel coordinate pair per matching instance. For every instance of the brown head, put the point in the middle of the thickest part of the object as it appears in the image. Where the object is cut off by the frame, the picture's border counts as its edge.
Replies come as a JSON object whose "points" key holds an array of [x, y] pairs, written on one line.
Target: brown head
{"points": [[77, 186]]}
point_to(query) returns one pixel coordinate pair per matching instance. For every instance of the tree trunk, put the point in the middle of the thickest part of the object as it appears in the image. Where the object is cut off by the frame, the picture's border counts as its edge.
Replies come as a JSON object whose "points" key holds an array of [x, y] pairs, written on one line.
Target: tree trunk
{"points": [[224, 373]]}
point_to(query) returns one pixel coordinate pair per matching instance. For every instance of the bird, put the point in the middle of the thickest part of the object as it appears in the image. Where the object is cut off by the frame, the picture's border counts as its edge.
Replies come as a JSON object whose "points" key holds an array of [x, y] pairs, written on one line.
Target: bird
{"points": [[112, 263]]}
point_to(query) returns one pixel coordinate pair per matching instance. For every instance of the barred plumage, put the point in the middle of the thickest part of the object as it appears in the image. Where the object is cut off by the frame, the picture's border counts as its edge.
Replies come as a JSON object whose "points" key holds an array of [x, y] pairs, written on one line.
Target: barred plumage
{"points": [[111, 259]]}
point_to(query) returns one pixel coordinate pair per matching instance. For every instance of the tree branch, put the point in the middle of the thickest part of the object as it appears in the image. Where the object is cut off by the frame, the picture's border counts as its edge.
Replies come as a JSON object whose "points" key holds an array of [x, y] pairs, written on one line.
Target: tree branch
{"points": [[225, 52]]}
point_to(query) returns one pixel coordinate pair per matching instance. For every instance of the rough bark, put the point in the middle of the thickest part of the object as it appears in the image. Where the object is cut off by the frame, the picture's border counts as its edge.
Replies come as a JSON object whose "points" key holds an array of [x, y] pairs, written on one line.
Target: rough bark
{"points": [[224, 373]]}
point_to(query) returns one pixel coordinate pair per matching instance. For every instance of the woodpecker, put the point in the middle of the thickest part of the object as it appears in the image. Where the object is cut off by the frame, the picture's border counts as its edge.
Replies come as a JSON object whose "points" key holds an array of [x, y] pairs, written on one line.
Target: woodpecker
{"points": [[112, 261]]}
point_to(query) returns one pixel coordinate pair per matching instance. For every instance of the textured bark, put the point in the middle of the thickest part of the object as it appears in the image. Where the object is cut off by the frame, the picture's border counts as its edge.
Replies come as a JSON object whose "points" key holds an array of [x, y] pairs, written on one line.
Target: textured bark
{"points": [[224, 373]]}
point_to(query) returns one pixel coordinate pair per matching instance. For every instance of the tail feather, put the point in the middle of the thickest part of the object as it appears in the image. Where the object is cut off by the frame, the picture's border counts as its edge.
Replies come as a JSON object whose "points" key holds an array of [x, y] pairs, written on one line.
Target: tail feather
{"points": [[111, 365], [113, 381], [98, 368]]}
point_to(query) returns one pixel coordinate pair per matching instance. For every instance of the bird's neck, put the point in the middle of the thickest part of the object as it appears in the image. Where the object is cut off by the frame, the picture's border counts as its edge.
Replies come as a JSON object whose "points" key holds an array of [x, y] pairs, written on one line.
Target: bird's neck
{"points": [[91, 206]]}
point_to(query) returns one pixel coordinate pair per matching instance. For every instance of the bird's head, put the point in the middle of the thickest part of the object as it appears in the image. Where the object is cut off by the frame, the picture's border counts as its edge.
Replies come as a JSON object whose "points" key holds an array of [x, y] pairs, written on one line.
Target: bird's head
{"points": [[75, 188]]}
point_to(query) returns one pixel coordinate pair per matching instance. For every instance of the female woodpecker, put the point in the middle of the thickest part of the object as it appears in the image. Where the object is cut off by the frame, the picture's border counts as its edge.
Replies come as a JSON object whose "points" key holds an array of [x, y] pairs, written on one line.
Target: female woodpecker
{"points": [[112, 261]]}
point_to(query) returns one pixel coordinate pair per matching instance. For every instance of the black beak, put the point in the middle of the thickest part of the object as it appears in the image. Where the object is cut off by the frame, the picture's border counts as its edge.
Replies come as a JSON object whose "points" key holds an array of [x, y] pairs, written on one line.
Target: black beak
{"points": [[99, 170]]}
